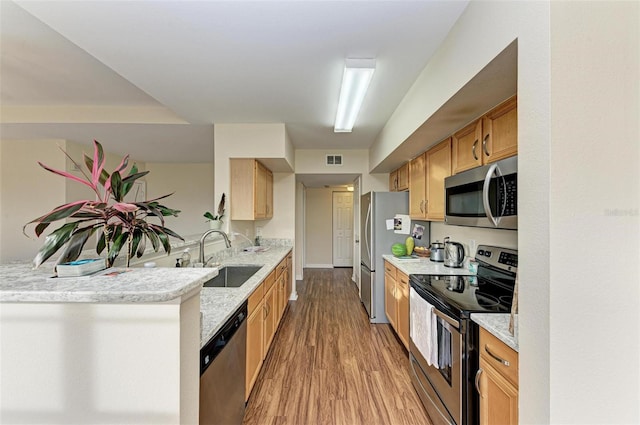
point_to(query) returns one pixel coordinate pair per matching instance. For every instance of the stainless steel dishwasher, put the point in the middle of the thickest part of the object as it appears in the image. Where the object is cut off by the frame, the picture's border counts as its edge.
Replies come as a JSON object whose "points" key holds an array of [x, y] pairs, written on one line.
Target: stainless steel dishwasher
{"points": [[222, 373]]}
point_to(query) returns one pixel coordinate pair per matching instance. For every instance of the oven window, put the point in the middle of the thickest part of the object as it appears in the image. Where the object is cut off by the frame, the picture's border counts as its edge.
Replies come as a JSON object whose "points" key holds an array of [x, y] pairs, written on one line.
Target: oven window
{"points": [[445, 356]]}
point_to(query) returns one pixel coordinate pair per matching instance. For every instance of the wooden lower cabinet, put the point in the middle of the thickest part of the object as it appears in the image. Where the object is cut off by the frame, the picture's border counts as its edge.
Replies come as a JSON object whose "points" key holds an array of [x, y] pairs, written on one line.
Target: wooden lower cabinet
{"points": [[390, 303], [396, 301], [255, 346], [497, 381], [266, 306], [402, 290]]}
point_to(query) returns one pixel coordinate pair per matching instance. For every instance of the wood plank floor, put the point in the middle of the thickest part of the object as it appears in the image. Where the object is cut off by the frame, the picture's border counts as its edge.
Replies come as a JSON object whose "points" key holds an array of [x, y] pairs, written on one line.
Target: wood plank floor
{"points": [[329, 365]]}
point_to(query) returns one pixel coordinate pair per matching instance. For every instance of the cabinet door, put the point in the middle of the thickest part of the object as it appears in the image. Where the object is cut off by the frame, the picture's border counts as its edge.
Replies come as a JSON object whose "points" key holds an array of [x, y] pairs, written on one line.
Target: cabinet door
{"points": [[467, 147], [403, 177], [390, 302], [402, 285], [269, 194], [417, 187], [438, 167], [498, 397], [242, 194], [255, 345], [500, 132], [260, 194], [270, 313], [393, 181]]}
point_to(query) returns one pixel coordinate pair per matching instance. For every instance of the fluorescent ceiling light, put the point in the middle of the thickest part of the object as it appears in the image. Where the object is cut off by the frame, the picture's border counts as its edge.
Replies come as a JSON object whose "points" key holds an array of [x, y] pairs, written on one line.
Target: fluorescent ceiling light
{"points": [[355, 82]]}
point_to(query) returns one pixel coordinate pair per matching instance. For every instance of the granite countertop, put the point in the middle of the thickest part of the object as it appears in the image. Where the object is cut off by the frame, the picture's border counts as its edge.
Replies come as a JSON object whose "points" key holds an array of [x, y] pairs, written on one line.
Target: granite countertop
{"points": [[218, 304], [20, 283], [423, 265], [498, 325]]}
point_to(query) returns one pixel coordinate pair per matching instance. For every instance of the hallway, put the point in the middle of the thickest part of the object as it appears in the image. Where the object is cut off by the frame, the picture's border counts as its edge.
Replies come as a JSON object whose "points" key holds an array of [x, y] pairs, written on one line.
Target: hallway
{"points": [[329, 365]]}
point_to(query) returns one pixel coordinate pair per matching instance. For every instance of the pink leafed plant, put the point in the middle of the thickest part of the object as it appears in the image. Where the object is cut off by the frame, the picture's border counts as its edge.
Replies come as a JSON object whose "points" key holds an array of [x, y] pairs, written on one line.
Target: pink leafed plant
{"points": [[119, 223]]}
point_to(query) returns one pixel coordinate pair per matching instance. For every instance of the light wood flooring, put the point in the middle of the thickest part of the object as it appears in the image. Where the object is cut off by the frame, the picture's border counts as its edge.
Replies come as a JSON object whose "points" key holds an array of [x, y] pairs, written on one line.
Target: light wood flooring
{"points": [[329, 365]]}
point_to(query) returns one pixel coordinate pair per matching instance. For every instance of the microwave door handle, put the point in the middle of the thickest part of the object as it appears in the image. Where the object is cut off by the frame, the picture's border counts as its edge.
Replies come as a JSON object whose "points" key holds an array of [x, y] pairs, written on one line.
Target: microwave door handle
{"points": [[485, 194]]}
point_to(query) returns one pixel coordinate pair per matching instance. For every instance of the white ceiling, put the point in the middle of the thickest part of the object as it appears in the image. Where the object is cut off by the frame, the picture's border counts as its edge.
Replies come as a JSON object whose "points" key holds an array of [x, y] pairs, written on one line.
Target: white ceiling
{"points": [[210, 62]]}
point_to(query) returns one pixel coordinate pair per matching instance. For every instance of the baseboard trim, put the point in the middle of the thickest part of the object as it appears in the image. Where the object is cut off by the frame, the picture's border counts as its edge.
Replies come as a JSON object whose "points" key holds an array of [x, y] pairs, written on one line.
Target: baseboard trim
{"points": [[319, 266]]}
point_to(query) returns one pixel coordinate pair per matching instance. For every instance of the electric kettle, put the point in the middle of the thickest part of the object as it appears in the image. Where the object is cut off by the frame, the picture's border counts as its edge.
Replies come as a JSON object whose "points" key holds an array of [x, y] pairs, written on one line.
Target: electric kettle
{"points": [[437, 251], [453, 254]]}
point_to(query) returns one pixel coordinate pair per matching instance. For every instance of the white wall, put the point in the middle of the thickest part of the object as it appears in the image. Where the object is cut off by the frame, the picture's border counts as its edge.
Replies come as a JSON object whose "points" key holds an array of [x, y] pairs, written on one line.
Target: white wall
{"points": [[594, 203], [251, 141], [100, 363], [192, 187], [355, 161], [318, 223], [27, 191], [465, 236]]}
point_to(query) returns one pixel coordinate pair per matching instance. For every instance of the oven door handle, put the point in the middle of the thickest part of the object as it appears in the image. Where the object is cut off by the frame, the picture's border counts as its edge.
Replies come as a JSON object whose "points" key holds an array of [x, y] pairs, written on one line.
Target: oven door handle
{"points": [[447, 319]]}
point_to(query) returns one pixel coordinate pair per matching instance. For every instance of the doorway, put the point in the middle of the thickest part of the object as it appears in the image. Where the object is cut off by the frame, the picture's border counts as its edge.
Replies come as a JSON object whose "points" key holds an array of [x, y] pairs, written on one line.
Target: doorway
{"points": [[342, 229]]}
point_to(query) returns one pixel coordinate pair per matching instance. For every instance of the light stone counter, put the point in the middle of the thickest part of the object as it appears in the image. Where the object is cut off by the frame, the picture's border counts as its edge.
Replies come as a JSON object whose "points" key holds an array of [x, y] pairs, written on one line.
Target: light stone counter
{"points": [[218, 304], [423, 265], [20, 284], [498, 325]]}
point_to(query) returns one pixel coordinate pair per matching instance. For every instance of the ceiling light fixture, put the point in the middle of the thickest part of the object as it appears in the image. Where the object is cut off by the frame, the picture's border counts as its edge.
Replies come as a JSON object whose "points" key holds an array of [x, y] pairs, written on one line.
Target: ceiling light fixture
{"points": [[355, 82]]}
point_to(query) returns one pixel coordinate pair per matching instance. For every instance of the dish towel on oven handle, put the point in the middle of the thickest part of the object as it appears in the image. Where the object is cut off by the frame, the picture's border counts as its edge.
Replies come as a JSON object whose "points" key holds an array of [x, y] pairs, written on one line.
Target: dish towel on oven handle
{"points": [[424, 327], [444, 346]]}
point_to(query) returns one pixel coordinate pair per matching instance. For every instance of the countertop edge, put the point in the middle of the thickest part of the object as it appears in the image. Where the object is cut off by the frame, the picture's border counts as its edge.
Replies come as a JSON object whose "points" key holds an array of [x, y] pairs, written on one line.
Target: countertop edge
{"points": [[497, 324]]}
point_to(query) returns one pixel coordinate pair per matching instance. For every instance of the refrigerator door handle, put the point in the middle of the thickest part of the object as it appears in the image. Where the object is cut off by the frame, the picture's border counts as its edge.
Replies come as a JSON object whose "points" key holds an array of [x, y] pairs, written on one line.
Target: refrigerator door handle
{"points": [[366, 235]]}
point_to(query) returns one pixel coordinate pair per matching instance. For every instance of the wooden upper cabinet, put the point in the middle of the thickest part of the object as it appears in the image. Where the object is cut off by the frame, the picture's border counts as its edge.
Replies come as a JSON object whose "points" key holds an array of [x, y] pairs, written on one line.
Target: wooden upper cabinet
{"points": [[393, 181], [500, 131], [488, 139], [251, 190], [438, 166], [417, 187], [466, 147], [399, 179]]}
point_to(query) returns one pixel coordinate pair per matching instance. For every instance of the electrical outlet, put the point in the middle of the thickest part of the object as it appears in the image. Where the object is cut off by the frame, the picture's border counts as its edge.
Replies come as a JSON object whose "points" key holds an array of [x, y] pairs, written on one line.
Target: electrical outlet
{"points": [[258, 231], [472, 248]]}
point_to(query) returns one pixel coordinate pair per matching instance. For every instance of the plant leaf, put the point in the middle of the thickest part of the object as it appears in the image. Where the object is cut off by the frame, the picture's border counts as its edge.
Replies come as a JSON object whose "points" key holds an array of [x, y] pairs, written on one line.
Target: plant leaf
{"points": [[58, 213], [53, 242], [116, 247], [116, 186], [104, 175], [143, 243], [102, 243], [67, 175], [153, 237], [209, 216], [75, 245], [98, 163]]}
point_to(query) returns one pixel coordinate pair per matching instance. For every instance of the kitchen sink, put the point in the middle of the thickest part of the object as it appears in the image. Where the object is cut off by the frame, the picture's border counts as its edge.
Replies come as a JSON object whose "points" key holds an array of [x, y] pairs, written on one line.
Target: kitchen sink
{"points": [[232, 276]]}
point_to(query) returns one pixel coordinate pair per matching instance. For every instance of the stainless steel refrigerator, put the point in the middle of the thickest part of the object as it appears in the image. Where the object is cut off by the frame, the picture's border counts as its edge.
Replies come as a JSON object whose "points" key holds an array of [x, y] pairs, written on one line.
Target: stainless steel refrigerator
{"points": [[375, 240]]}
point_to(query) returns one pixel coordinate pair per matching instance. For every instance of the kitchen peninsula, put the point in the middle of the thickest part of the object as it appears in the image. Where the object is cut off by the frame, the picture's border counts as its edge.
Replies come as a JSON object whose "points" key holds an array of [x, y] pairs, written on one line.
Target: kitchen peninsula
{"points": [[120, 348]]}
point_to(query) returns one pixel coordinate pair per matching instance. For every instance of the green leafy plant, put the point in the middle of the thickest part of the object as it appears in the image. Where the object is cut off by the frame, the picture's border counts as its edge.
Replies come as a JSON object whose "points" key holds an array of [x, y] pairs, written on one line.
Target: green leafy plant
{"points": [[212, 217], [119, 223]]}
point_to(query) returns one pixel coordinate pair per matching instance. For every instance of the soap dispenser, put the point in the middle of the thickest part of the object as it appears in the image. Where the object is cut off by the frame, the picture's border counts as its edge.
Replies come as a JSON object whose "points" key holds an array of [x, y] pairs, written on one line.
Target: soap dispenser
{"points": [[185, 260]]}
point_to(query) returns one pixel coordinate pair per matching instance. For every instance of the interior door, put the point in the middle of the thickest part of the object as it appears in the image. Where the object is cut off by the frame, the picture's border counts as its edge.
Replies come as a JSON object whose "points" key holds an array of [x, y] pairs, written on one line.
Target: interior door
{"points": [[342, 229]]}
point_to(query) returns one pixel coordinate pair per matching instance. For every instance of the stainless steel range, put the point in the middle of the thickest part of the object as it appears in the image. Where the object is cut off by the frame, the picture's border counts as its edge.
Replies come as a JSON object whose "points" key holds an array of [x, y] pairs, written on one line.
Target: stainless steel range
{"points": [[443, 348]]}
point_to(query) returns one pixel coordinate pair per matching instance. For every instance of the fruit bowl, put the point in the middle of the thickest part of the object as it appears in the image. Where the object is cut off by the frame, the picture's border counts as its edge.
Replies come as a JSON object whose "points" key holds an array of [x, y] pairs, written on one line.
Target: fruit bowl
{"points": [[422, 251]]}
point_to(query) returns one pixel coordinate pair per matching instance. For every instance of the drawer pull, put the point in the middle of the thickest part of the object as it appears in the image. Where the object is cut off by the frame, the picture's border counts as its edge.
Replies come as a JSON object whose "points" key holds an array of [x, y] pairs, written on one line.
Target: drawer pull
{"points": [[504, 362]]}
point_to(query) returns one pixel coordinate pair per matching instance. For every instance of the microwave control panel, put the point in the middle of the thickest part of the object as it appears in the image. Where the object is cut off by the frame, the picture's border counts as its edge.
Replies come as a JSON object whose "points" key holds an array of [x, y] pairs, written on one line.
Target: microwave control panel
{"points": [[508, 195]]}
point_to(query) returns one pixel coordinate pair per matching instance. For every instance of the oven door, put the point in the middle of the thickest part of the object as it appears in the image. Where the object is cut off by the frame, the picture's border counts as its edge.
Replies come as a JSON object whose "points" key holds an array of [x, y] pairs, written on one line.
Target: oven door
{"points": [[440, 386]]}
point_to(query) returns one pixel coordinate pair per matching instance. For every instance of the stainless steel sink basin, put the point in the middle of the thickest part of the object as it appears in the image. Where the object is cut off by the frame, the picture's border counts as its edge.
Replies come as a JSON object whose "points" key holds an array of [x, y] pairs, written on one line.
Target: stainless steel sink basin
{"points": [[232, 276]]}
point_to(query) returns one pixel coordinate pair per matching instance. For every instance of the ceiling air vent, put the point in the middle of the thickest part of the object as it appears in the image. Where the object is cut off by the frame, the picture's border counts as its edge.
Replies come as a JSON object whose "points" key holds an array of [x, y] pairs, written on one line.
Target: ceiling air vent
{"points": [[334, 159]]}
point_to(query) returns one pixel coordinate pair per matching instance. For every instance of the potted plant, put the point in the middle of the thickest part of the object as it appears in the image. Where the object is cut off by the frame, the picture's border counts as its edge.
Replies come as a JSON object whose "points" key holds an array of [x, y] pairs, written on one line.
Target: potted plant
{"points": [[120, 224], [215, 221]]}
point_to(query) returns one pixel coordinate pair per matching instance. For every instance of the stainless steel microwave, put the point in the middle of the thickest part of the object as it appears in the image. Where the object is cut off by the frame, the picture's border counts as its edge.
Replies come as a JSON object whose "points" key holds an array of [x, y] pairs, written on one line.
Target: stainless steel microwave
{"points": [[485, 196]]}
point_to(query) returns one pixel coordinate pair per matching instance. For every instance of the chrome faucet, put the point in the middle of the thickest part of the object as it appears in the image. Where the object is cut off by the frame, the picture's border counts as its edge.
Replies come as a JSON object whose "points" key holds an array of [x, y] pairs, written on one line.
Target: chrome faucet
{"points": [[207, 233]]}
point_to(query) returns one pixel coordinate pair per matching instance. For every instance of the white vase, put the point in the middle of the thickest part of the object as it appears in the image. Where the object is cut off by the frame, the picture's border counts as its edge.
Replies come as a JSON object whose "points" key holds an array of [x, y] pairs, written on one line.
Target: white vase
{"points": [[215, 224]]}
